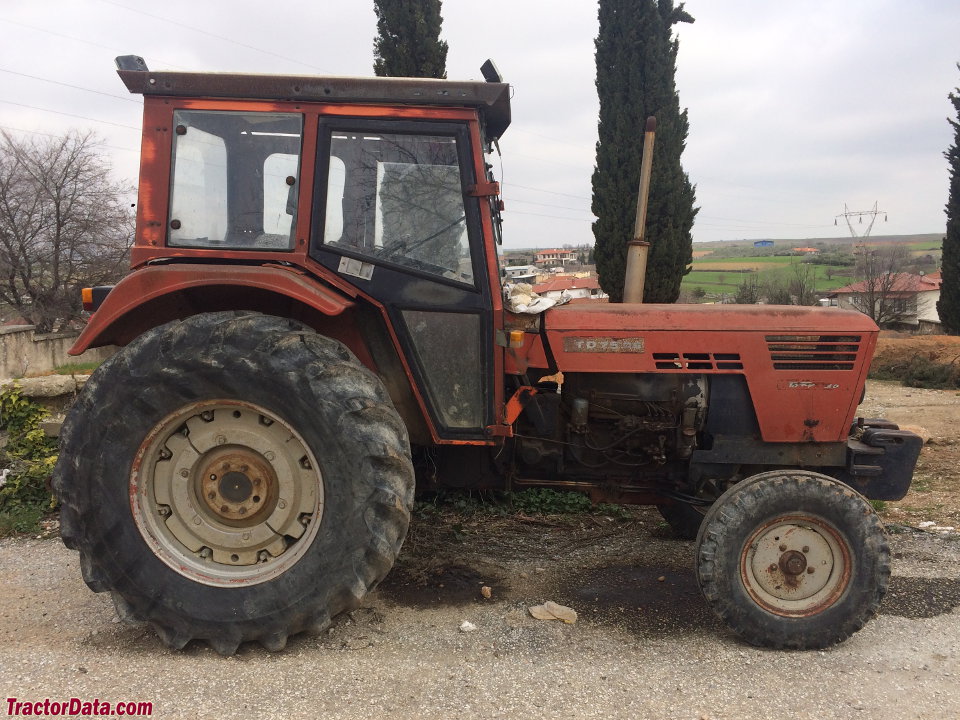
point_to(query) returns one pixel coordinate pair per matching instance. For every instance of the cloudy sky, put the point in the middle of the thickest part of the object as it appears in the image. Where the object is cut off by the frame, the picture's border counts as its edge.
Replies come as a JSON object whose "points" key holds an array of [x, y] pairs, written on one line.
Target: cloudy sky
{"points": [[796, 109]]}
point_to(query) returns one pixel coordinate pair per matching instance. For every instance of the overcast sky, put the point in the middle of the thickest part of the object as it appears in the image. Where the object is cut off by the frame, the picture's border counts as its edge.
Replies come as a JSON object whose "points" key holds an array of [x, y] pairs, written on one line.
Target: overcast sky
{"points": [[796, 109]]}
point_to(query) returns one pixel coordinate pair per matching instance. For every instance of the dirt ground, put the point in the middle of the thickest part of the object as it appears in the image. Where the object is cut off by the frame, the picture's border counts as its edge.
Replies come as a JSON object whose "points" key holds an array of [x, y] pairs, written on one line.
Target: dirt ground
{"points": [[935, 493], [645, 644]]}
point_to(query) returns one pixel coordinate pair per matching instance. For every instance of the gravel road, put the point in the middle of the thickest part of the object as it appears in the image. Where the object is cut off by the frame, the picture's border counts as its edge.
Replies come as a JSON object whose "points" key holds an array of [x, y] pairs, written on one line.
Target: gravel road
{"points": [[645, 644], [642, 648]]}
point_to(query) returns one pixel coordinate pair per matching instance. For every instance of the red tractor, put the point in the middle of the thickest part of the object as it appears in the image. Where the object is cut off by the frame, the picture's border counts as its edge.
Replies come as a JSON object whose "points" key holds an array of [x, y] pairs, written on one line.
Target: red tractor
{"points": [[314, 322]]}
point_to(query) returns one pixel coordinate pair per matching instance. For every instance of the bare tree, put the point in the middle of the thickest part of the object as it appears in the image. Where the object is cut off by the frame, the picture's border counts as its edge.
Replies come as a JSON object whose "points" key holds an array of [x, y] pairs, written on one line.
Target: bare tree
{"points": [[882, 283], [803, 285], [749, 291], [64, 224], [777, 293]]}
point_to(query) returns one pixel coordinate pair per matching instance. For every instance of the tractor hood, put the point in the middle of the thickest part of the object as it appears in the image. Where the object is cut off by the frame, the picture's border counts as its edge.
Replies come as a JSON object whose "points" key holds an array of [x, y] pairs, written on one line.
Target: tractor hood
{"points": [[805, 367], [624, 317], [622, 337]]}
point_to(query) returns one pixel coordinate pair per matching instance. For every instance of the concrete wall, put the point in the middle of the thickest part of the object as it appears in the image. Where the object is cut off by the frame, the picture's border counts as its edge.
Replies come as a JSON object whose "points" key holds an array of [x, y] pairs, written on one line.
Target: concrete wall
{"points": [[23, 352]]}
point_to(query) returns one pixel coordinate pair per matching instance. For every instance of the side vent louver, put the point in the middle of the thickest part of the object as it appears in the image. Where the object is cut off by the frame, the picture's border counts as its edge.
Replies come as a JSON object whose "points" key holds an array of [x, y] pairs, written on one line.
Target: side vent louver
{"points": [[698, 361], [813, 352]]}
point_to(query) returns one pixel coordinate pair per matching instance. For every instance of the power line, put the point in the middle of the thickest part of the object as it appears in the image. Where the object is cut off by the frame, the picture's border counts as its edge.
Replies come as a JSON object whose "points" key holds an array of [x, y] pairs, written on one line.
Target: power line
{"points": [[544, 215], [551, 192], [213, 35], [79, 40], [531, 202], [52, 135], [58, 112], [547, 137], [539, 159], [75, 87]]}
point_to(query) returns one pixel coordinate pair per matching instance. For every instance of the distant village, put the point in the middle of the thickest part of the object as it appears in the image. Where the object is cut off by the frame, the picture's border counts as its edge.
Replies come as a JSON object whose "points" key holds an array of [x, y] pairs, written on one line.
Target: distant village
{"points": [[555, 272], [901, 296]]}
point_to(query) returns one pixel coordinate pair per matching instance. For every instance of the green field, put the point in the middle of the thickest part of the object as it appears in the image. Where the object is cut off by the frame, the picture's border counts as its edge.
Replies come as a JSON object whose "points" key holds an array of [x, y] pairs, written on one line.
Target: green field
{"points": [[721, 267]]}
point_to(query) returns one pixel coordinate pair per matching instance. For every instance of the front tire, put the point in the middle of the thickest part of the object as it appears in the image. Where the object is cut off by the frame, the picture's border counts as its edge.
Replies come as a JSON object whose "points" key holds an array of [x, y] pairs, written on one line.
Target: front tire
{"points": [[234, 477], [792, 559]]}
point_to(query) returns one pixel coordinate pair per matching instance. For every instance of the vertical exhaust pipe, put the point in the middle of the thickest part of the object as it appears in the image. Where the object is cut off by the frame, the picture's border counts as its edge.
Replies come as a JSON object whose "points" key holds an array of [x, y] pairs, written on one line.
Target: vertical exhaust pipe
{"points": [[637, 248]]}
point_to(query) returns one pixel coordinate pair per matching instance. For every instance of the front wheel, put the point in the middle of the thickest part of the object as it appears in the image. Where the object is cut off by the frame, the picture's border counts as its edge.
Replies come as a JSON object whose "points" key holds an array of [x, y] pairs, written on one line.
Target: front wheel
{"points": [[792, 559], [234, 477]]}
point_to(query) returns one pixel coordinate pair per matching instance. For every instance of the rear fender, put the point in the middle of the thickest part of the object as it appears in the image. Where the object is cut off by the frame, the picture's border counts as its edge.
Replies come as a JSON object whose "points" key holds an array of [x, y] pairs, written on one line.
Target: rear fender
{"points": [[157, 294]]}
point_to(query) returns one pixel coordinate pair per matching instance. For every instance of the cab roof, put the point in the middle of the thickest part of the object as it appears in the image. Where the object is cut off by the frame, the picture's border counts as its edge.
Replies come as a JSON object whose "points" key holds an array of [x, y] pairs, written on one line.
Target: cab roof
{"points": [[491, 98]]}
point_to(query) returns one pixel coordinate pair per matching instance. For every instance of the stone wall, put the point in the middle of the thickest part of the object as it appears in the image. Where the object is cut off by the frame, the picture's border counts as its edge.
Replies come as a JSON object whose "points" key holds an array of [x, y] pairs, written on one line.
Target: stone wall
{"points": [[23, 352]]}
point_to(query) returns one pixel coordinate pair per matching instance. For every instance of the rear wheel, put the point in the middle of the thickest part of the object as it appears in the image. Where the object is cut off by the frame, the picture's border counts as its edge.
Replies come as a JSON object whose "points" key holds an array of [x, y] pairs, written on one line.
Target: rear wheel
{"points": [[234, 477], [793, 559]]}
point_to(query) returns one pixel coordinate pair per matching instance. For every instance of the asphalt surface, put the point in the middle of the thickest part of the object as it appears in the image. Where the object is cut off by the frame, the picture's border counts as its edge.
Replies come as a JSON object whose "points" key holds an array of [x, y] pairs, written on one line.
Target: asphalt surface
{"points": [[645, 645]]}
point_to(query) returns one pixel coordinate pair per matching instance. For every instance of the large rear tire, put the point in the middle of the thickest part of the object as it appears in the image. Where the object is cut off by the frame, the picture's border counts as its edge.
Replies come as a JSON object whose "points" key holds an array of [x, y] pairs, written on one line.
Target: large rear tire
{"points": [[234, 477], [793, 559]]}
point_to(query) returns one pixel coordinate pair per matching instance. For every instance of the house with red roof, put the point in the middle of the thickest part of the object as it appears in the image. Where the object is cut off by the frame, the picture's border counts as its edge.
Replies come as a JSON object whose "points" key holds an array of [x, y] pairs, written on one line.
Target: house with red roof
{"points": [[911, 300], [575, 287]]}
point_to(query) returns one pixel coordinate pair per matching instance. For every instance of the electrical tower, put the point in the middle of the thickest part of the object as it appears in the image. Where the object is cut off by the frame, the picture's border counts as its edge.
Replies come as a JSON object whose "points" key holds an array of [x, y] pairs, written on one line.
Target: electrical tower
{"points": [[872, 214]]}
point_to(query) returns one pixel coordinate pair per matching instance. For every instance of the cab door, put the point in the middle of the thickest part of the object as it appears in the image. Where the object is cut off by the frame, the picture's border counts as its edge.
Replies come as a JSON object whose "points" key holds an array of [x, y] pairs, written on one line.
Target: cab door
{"points": [[394, 217]]}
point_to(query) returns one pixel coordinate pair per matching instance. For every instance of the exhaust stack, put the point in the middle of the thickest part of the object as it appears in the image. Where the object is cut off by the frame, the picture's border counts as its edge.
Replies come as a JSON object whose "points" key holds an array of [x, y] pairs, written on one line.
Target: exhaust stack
{"points": [[637, 248]]}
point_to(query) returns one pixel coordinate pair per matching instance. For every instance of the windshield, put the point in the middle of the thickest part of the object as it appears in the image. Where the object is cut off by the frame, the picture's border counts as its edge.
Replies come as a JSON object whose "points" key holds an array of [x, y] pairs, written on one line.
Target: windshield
{"points": [[398, 198]]}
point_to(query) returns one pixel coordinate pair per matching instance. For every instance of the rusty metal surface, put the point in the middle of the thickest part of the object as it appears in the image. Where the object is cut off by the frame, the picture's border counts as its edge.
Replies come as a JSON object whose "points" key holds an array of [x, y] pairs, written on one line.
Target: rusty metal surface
{"points": [[121, 316], [811, 400], [796, 566], [492, 98]]}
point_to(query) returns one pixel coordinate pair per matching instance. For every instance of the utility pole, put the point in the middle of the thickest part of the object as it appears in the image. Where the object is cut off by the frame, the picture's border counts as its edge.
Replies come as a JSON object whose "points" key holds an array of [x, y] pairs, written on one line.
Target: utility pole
{"points": [[847, 214]]}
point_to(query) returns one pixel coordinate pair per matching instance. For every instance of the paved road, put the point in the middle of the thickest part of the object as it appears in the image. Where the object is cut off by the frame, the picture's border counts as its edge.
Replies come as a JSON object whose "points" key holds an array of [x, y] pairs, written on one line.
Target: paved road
{"points": [[643, 647]]}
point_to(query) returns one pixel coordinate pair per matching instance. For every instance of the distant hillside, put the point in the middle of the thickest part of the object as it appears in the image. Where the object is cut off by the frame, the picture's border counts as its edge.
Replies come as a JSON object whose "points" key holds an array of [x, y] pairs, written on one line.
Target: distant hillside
{"points": [[719, 268], [781, 243]]}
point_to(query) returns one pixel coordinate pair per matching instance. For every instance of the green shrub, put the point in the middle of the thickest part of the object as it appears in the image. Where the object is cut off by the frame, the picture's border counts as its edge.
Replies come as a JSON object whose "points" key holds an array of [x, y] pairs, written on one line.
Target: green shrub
{"points": [[922, 370], [28, 458]]}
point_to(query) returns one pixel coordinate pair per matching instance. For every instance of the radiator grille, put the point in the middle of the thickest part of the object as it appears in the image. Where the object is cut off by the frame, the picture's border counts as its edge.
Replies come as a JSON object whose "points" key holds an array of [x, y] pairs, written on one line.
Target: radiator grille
{"points": [[698, 361], [813, 352]]}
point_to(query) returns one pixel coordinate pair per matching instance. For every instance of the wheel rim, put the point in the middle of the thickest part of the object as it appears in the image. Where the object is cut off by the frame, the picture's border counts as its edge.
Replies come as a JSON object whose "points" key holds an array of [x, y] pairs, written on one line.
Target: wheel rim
{"points": [[226, 493], [796, 566]]}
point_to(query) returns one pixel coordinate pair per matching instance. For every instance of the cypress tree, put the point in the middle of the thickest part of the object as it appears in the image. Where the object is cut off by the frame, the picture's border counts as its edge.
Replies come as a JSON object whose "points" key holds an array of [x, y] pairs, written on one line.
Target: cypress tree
{"points": [[408, 40], [948, 306], [636, 55]]}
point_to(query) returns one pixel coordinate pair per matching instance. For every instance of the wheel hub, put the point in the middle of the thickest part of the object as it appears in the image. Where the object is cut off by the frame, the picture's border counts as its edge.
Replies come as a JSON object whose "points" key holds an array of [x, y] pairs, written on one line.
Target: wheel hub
{"points": [[226, 492], [792, 563], [238, 486], [795, 566]]}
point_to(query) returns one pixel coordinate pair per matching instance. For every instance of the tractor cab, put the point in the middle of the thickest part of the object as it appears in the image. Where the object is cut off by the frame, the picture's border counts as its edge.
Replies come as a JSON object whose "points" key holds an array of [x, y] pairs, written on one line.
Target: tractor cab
{"points": [[376, 189]]}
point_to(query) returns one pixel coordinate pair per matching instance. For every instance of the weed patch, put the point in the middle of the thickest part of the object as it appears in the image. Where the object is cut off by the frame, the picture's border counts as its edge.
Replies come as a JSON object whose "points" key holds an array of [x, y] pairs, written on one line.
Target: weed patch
{"points": [[532, 501], [27, 462]]}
